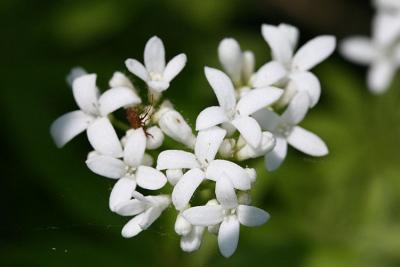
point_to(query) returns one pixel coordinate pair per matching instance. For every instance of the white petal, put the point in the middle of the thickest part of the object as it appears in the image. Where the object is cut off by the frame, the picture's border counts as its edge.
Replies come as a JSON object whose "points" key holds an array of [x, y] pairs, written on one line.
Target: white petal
{"points": [[132, 228], [204, 215], [185, 188], [116, 98], [225, 192], [380, 76], [307, 82], [150, 178], [68, 126], [275, 158], [121, 192], [134, 147], [119, 79], [248, 65], [130, 208], [291, 33], [182, 226], [267, 144], [174, 67], [75, 73], [314, 52], [207, 144], [86, 93], [192, 241], [154, 55], [209, 117], [105, 165], [173, 175], [176, 159], [267, 119], [307, 142], [228, 236], [257, 99], [238, 176], [103, 138], [297, 109], [154, 138], [230, 56], [150, 216], [223, 88], [386, 28], [251, 216], [279, 43], [358, 49], [249, 129], [158, 86], [137, 68], [268, 74]]}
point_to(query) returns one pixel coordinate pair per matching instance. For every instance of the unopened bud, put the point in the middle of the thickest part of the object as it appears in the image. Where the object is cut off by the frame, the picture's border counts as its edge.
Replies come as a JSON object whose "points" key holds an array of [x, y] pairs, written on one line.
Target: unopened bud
{"points": [[227, 148], [267, 144], [173, 175], [230, 56], [120, 80], [182, 226], [248, 64], [154, 137]]}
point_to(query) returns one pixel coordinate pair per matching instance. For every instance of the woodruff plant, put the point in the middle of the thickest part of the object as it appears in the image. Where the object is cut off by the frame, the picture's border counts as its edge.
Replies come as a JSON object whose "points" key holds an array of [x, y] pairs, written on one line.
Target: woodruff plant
{"points": [[257, 115]]}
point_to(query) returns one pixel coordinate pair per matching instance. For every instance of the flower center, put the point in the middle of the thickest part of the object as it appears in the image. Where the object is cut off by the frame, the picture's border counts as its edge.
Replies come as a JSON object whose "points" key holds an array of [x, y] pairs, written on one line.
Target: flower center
{"points": [[130, 171], [155, 76]]}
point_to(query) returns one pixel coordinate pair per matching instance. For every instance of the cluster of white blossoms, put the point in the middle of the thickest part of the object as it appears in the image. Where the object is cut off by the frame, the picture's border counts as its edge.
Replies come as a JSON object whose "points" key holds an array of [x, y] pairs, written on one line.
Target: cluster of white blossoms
{"points": [[258, 113], [381, 52]]}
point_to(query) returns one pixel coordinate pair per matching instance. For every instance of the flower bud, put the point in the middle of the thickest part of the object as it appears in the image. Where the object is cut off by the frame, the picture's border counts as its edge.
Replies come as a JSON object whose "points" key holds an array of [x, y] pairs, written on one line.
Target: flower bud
{"points": [[252, 174], [174, 125], [227, 148], [164, 107], [182, 226], [120, 80], [173, 175], [247, 151], [248, 64], [154, 138], [230, 56], [192, 241]]}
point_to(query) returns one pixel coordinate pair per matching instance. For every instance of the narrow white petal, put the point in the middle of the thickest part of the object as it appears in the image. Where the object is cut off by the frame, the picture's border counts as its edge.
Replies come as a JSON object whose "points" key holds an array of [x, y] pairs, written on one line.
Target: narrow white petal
{"points": [[174, 67], [121, 192], [204, 215], [154, 55], [291, 33], [137, 68], [75, 73], [68, 126], [248, 65], [309, 83], [279, 43], [150, 178], [130, 208], [103, 138], [105, 165], [386, 28], [251, 216], [297, 109], [380, 76], [185, 188], [268, 74], [358, 49], [223, 88], [209, 117], [267, 119], [116, 98], [86, 93], [314, 52], [238, 176], [257, 99], [230, 56], [207, 144], [228, 236], [132, 228], [249, 129], [307, 142], [275, 158], [150, 216], [176, 159], [119, 79], [225, 192], [134, 147]]}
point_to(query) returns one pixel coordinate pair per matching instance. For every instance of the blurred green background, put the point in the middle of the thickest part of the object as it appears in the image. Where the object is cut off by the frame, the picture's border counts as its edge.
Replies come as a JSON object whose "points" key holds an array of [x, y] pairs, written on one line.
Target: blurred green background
{"points": [[342, 210]]}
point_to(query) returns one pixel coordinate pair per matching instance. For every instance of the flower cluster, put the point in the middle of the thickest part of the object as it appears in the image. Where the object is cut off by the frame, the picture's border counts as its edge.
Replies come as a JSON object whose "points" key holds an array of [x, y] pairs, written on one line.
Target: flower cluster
{"points": [[381, 52], [258, 113]]}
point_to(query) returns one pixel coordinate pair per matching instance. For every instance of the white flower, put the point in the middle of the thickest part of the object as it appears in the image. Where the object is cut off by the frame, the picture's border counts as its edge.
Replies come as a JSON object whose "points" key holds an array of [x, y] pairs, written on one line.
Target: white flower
{"points": [[380, 52], [191, 235], [201, 165], [131, 170], [146, 210], [236, 113], [238, 64], [92, 108], [155, 73], [286, 131], [283, 40], [229, 214]]}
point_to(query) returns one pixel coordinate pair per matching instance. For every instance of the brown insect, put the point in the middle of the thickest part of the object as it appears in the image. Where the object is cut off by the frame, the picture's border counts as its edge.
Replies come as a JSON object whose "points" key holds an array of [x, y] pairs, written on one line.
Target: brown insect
{"points": [[137, 118]]}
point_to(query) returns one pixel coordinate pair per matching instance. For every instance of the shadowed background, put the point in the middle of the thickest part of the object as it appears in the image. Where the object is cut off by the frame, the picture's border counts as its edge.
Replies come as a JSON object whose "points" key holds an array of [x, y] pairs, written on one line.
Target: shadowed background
{"points": [[341, 210]]}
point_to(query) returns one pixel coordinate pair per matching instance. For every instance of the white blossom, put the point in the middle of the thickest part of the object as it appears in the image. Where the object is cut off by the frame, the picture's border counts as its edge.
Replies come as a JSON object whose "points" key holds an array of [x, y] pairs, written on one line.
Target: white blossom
{"points": [[92, 109], [285, 129], [228, 214], [282, 40], [236, 113], [155, 72], [124, 163], [201, 165], [191, 235]]}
